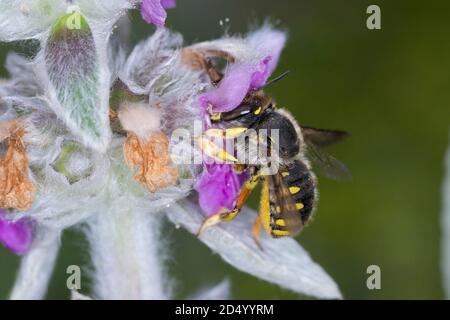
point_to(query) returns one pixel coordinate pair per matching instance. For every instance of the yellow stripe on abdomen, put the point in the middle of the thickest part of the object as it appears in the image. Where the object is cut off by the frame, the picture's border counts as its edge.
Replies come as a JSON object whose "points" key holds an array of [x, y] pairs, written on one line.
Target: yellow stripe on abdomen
{"points": [[294, 190], [280, 233]]}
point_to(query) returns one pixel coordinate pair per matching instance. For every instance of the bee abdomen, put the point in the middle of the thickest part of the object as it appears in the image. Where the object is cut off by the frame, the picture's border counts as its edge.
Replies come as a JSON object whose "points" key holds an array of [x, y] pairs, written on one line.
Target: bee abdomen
{"points": [[302, 188]]}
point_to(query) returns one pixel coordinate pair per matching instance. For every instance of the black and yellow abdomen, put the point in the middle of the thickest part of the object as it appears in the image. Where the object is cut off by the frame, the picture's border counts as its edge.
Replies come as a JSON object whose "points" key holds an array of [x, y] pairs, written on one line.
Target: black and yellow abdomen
{"points": [[302, 187], [292, 194]]}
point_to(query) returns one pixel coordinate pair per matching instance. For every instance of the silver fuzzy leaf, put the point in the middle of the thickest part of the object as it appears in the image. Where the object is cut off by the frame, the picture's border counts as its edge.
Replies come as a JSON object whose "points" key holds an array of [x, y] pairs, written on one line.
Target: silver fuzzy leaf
{"points": [[220, 291], [282, 261]]}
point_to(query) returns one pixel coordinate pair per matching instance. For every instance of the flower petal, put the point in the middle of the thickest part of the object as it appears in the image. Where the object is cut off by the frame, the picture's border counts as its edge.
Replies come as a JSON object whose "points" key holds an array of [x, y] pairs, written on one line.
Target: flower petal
{"points": [[218, 187], [77, 82], [16, 236], [236, 47], [238, 80], [282, 261], [169, 4], [153, 11], [270, 43], [251, 73]]}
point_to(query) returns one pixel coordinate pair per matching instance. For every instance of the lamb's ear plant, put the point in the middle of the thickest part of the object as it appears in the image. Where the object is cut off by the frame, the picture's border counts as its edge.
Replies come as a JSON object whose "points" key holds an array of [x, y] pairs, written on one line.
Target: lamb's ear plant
{"points": [[86, 134]]}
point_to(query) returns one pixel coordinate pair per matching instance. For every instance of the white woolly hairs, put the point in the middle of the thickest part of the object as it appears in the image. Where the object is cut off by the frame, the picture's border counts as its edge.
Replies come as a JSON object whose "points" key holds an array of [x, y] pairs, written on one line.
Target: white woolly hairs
{"points": [[140, 118]]}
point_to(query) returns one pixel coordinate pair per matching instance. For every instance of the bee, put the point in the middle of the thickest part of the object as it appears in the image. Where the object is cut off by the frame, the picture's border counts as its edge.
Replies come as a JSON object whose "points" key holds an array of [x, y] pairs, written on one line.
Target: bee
{"points": [[288, 196]]}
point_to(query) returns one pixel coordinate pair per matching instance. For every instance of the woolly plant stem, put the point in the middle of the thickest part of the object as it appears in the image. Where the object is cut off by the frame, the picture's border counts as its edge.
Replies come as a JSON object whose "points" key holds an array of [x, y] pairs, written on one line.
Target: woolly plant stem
{"points": [[37, 266], [126, 255]]}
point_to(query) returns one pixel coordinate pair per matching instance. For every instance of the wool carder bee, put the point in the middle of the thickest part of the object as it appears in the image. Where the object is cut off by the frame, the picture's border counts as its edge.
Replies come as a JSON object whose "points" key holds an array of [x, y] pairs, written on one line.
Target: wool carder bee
{"points": [[288, 196]]}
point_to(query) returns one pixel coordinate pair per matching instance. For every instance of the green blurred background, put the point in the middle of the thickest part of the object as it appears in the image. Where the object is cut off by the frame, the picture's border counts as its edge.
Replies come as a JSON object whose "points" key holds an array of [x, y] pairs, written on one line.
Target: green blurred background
{"points": [[390, 88]]}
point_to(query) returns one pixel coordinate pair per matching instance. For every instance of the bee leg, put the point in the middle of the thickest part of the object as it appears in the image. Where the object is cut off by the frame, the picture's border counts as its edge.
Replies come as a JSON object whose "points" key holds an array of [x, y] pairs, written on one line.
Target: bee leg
{"points": [[210, 66], [226, 134], [256, 232], [204, 61], [213, 73], [224, 215], [214, 151], [240, 168], [263, 219]]}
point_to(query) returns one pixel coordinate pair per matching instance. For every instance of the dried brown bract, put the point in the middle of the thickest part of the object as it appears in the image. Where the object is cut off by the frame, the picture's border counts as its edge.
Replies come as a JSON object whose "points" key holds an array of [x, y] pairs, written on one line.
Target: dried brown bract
{"points": [[204, 60], [16, 189], [151, 157]]}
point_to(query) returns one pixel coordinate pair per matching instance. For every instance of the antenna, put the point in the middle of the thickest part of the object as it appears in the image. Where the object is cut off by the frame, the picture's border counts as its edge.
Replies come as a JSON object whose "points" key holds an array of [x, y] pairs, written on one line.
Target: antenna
{"points": [[274, 80]]}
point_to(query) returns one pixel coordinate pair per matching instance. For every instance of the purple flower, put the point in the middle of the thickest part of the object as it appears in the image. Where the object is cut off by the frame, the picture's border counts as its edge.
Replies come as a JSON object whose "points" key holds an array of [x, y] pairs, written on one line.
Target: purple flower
{"points": [[169, 4], [16, 236], [220, 184], [154, 11], [218, 187], [270, 42], [242, 77], [238, 80]]}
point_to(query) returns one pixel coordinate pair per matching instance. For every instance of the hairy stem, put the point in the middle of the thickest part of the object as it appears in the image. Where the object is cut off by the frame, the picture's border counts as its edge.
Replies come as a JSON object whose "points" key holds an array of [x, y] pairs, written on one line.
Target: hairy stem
{"points": [[37, 266], [126, 255]]}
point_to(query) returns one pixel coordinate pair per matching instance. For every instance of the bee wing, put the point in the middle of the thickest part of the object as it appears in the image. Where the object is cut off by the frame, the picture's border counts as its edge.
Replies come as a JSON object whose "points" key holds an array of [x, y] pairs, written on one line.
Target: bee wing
{"points": [[327, 165], [288, 210], [323, 137]]}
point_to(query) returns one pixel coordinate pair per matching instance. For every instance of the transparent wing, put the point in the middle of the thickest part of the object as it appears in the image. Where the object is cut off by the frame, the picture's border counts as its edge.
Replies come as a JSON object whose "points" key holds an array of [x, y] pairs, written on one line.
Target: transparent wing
{"points": [[326, 165], [323, 137], [283, 200]]}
